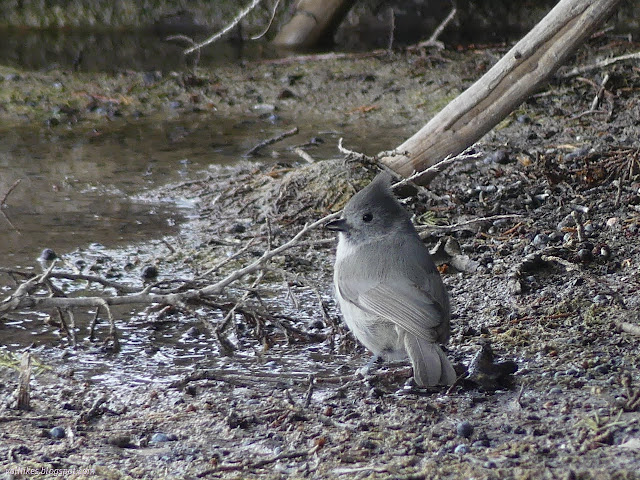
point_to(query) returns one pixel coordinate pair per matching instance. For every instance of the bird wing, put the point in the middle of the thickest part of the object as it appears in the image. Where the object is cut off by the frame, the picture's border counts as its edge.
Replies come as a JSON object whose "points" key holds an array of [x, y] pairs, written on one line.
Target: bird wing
{"points": [[399, 300], [405, 288]]}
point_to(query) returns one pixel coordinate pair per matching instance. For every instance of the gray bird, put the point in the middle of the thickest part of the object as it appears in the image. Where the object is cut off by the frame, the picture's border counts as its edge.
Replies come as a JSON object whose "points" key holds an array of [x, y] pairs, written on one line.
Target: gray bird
{"points": [[389, 290]]}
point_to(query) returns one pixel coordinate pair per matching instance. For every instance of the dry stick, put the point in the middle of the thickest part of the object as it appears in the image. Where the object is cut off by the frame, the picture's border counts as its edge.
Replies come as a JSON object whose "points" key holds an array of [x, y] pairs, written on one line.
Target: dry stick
{"points": [[120, 288], [72, 328], [222, 263], [598, 65], [318, 57], [457, 226], [433, 170], [10, 222], [273, 15], [225, 30], [8, 192], [64, 326], [433, 41], [271, 141], [596, 99], [92, 326]]}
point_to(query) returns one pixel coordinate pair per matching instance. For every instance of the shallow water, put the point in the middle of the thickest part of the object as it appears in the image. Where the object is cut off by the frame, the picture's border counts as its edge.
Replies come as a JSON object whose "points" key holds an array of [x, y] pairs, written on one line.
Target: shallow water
{"points": [[86, 196]]}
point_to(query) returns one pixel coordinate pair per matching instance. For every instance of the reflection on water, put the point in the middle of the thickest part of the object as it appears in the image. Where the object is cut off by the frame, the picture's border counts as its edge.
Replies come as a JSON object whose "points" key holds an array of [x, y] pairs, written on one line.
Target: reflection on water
{"points": [[113, 51]]}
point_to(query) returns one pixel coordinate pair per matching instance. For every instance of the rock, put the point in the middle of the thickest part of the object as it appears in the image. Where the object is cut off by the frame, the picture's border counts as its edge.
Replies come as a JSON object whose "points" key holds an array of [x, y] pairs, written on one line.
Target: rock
{"points": [[57, 432], [464, 429], [162, 437], [149, 272], [541, 240]]}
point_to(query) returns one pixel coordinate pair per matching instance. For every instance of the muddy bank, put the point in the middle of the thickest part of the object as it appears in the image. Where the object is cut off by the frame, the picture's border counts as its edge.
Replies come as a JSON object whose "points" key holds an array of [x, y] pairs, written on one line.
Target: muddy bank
{"points": [[551, 289]]}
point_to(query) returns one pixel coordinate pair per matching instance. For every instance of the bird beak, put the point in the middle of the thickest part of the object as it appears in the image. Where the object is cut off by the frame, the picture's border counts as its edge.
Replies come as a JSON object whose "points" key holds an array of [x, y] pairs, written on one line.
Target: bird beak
{"points": [[339, 225]]}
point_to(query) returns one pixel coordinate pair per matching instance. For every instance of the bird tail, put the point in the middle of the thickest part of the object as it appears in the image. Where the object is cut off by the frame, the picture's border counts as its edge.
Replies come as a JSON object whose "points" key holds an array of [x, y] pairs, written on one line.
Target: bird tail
{"points": [[430, 364]]}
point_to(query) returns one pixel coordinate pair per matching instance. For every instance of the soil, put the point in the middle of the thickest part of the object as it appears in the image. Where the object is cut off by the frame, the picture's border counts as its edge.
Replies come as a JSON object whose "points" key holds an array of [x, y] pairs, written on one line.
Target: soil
{"points": [[554, 288]]}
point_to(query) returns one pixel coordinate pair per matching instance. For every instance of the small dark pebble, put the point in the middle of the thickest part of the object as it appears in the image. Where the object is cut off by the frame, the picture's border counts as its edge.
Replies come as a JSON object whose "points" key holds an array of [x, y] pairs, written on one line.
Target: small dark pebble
{"points": [[523, 119], [499, 156], [286, 93], [237, 228], [585, 255], [541, 240], [149, 272], [48, 255], [464, 429], [57, 432]]}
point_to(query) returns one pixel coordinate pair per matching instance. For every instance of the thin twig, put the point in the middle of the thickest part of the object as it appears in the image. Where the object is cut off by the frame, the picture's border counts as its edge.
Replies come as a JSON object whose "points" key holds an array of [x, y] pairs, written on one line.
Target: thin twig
{"points": [[225, 30], [446, 162], [270, 141], [433, 41], [392, 29], [461, 225], [273, 15], [604, 63], [222, 263]]}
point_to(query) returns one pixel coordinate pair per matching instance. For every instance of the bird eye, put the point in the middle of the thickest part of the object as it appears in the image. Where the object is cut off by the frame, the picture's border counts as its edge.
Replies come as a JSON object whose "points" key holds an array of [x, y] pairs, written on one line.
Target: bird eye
{"points": [[367, 217]]}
